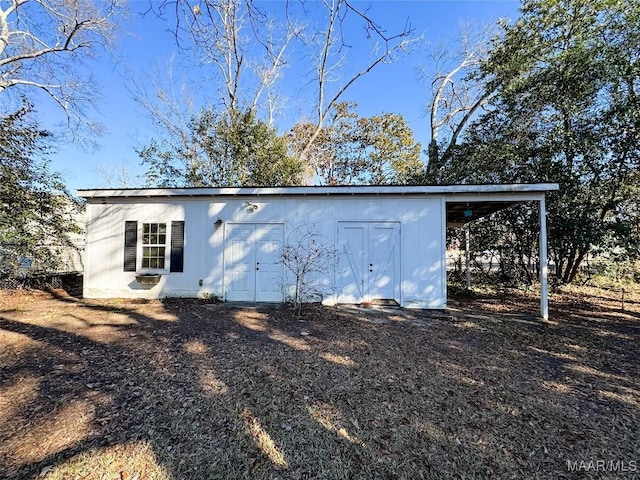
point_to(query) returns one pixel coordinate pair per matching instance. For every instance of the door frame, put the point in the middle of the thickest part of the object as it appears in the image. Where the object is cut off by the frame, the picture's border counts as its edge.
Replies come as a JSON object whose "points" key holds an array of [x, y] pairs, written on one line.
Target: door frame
{"points": [[367, 297], [227, 228]]}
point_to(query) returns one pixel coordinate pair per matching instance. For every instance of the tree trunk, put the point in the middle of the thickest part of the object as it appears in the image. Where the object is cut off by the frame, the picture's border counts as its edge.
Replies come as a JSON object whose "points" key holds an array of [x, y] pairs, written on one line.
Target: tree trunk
{"points": [[576, 266]]}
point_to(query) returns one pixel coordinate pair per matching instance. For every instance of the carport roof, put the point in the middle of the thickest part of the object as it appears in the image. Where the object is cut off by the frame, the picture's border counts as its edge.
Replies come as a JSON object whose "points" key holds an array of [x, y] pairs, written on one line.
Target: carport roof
{"points": [[461, 213]]}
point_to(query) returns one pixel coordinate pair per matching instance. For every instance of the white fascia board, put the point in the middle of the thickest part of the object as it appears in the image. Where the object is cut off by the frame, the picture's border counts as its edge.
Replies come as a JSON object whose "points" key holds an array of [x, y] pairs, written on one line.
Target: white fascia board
{"points": [[496, 197], [312, 190]]}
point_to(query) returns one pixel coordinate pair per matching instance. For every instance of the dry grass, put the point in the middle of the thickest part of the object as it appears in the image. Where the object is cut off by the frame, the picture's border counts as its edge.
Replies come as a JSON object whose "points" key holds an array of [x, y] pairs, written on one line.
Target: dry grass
{"points": [[123, 390]]}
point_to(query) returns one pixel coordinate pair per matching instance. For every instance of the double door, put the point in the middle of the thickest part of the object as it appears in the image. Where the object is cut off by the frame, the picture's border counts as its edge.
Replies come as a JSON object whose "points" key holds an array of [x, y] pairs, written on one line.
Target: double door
{"points": [[368, 262], [253, 272]]}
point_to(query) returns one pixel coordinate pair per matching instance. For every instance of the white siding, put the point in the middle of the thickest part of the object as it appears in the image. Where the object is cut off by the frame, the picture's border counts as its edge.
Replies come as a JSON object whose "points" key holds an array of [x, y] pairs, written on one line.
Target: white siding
{"points": [[421, 218]]}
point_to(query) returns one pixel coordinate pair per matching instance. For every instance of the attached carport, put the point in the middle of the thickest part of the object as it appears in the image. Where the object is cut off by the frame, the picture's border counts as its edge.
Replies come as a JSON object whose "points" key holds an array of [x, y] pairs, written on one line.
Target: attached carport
{"points": [[463, 208], [391, 238]]}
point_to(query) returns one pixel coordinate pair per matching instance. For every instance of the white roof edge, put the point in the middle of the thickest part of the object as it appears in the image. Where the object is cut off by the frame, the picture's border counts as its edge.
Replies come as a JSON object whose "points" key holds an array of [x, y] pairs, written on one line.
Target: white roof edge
{"points": [[313, 190]]}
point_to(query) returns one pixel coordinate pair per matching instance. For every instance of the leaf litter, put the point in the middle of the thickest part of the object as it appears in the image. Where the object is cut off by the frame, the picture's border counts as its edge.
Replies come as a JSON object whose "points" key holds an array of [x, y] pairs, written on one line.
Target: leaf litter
{"points": [[181, 389]]}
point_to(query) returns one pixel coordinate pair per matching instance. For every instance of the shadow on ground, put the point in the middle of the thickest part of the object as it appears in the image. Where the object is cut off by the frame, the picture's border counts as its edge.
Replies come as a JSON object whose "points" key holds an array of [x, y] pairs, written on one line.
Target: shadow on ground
{"points": [[182, 389]]}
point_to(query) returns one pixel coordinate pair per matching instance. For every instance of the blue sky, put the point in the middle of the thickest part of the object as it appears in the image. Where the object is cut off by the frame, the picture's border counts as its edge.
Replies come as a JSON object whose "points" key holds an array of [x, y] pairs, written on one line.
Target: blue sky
{"points": [[148, 46]]}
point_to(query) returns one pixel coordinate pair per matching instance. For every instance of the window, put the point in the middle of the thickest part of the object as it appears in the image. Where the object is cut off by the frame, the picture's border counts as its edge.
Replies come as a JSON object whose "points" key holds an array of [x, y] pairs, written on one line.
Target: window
{"points": [[154, 246], [154, 240]]}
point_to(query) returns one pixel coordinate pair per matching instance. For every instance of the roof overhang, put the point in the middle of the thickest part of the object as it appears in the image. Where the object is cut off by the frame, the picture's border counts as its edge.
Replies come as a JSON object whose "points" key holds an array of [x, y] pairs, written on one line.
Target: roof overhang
{"points": [[473, 190], [464, 203]]}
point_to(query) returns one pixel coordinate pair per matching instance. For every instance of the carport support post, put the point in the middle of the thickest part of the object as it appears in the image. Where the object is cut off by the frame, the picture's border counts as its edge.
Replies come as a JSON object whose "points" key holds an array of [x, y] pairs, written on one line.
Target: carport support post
{"points": [[467, 255], [544, 268]]}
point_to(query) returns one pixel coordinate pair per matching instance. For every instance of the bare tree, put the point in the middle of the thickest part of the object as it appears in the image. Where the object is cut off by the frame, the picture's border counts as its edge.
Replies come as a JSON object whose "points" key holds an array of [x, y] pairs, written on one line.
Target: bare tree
{"points": [[307, 256], [118, 175], [330, 57], [456, 93], [245, 48], [243, 51], [43, 45], [169, 105]]}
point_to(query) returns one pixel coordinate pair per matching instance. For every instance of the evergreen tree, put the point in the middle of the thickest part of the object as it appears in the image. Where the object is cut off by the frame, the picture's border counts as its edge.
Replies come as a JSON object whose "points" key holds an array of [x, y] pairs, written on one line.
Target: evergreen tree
{"points": [[222, 150], [566, 110], [36, 211]]}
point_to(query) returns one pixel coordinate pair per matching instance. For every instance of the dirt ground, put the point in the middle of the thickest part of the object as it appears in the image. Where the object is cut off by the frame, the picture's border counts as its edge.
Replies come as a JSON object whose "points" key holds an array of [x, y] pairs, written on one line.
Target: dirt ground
{"points": [[178, 389]]}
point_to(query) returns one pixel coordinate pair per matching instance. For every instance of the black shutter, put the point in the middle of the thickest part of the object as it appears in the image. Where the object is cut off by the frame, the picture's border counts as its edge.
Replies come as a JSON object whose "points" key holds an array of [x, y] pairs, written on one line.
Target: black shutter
{"points": [[130, 245], [177, 247]]}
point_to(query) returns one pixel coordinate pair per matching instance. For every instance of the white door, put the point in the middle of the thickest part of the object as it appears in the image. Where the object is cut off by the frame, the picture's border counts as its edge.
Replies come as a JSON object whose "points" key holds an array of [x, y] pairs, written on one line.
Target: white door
{"points": [[352, 255], [240, 263], [252, 270], [269, 270], [384, 261], [368, 261]]}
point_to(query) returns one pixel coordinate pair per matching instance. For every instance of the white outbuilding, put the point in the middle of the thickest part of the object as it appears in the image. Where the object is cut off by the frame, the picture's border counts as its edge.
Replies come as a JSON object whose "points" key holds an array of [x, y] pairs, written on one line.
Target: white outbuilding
{"points": [[389, 241]]}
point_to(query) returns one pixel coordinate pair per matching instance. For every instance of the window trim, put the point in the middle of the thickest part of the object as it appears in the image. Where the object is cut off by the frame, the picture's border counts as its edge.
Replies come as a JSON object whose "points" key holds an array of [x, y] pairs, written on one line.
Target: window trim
{"points": [[143, 245]]}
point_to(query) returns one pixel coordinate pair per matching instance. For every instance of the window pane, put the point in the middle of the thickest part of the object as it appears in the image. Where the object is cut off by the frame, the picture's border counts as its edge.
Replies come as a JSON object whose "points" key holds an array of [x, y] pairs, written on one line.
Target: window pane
{"points": [[153, 241]]}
